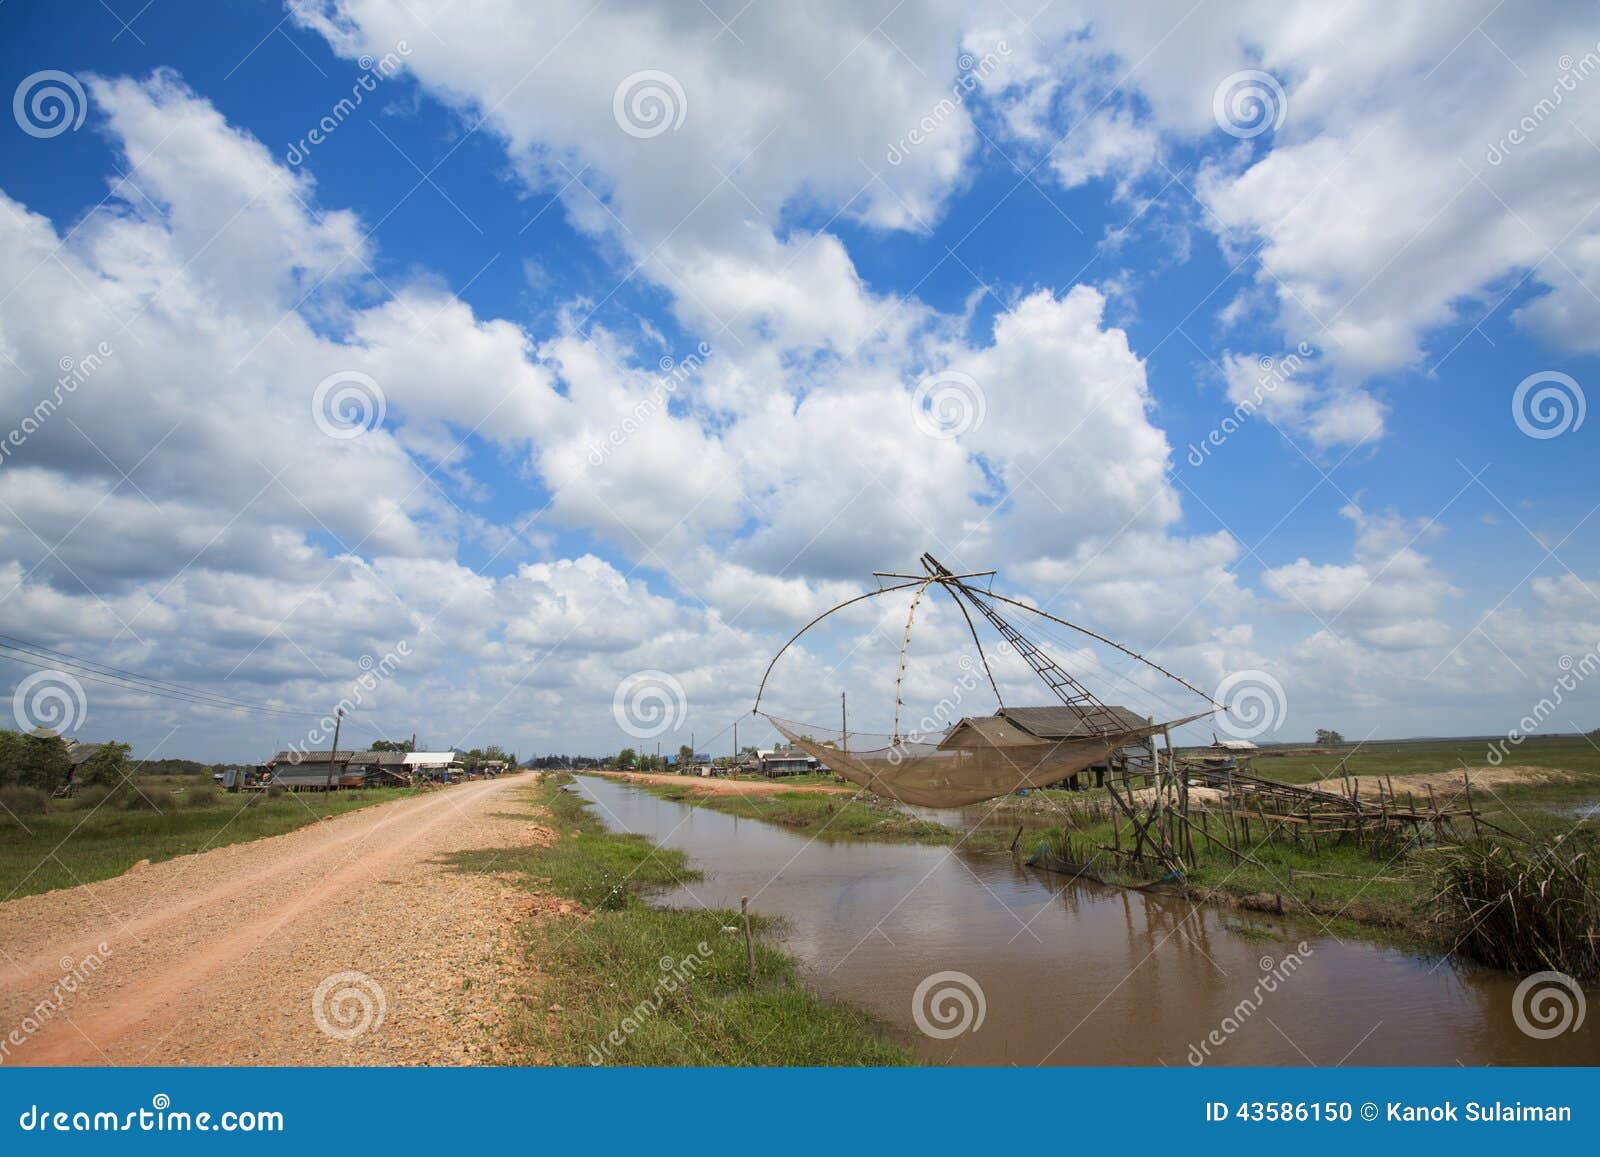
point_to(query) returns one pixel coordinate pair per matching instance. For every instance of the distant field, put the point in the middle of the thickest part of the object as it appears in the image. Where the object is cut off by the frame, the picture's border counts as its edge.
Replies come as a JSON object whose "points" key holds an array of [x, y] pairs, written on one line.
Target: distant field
{"points": [[1404, 757], [73, 844], [1546, 808]]}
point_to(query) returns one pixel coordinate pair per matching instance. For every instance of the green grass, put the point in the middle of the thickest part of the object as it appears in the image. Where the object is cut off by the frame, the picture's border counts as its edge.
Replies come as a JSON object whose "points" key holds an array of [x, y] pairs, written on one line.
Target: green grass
{"points": [[1412, 756], [78, 845], [1536, 811], [1523, 908], [632, 984], [1380, 890], [832, 815]]}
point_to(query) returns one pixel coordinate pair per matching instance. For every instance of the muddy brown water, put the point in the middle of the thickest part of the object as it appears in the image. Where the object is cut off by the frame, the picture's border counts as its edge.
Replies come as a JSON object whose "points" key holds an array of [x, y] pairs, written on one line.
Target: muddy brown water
{"points": [[1079, 974]]}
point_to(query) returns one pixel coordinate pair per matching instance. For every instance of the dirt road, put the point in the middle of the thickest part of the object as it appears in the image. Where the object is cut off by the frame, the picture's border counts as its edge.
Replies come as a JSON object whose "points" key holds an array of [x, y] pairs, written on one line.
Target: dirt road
{"points": [[354, 940]]}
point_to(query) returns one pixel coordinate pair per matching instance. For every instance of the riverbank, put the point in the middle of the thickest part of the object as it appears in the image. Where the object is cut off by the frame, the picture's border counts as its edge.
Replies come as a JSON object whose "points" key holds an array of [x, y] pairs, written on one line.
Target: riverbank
{"points": [[723, 785], [853, 814], [1042, 969], [1382, 892], [624, 983]]}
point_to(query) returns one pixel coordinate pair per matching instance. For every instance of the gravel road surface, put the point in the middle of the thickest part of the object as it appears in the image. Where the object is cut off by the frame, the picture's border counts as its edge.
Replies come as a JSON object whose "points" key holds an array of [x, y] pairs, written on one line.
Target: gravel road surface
{"points": [[353, 940]]}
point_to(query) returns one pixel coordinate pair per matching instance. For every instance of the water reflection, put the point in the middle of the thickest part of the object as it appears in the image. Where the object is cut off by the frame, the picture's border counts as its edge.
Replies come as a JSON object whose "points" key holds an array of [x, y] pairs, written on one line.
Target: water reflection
{"points": [[1075, 973]]}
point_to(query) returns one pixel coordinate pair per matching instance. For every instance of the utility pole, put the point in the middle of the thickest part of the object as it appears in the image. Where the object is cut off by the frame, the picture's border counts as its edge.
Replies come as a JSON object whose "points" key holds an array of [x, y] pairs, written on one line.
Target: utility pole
{"points": [[844, 725], [735, 764], [333, 756]]}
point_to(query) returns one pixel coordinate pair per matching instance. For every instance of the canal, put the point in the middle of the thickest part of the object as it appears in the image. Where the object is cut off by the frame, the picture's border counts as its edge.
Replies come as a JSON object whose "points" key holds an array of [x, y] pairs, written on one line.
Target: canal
{"points": [[928, 939]]}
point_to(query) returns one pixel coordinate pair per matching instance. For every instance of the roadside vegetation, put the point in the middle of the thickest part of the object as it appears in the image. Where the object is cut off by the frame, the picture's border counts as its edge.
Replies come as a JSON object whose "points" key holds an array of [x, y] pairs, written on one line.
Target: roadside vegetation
{"points": [[631, 984], [101, 832]]}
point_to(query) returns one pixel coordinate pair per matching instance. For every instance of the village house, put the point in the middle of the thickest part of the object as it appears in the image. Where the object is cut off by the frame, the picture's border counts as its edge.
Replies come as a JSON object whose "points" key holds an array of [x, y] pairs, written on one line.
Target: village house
{"points": [[1030, 726]]}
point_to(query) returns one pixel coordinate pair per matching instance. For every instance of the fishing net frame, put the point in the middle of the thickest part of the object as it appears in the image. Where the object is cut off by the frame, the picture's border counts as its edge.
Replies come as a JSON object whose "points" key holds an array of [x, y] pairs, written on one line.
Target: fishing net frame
{"points": [[973, 760]]}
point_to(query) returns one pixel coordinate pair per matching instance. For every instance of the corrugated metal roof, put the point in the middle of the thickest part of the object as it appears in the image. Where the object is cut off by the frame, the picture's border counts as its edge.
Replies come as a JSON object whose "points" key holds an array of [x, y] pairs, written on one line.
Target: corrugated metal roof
{"points": [[363, 758], [1062, 722], [81, 752], [304, 757]]}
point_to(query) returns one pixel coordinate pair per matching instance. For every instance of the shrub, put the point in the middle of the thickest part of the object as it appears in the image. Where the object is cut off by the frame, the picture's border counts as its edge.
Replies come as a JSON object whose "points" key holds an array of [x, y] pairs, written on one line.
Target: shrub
{"points": [[1523, 908], [108, 767], [156, 799], [204, 796], [39, 761], [89, 798], [16, 800]]}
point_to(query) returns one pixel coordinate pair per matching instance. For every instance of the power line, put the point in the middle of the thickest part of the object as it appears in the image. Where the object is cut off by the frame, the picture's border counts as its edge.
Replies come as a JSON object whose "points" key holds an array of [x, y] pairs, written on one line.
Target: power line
{"points": [[11, 642], [45, 658]]}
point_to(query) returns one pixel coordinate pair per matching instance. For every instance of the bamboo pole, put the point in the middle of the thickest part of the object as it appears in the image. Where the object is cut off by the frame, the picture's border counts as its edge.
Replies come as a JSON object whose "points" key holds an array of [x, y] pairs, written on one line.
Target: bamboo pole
{"points": [[1466, 777], [749, 944]]}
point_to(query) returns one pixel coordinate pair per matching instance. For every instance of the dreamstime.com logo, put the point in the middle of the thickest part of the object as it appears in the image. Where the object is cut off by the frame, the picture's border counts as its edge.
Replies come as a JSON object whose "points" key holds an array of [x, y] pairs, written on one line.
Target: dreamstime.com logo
{"points": [[347, 1005], [74, 373], [160, 1117], [348, 404], [947, 1004], [1547, 404], [1248, 103], [1255, 702], [75, 975], [972, 72], [648, 704], [673, 374], [48, 103], [944, 713], [1272, 374], [675, 974], [1571, 74], [49, 701], [1547, 1004], [373, 72], [1573, 674], [948, 404], [374, 673], [648, 103], [1273, 974]]}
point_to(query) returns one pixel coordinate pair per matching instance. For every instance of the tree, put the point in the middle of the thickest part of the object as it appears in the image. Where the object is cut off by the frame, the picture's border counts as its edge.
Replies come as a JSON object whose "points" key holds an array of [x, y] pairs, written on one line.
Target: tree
{"points": [[39, 761], [391, 745], [108, 767], [627, 757], [685, 756], [1328, 738]]}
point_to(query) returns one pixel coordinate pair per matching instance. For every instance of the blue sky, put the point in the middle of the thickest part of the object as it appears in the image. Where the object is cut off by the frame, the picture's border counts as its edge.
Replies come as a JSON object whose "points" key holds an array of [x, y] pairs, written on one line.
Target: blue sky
{"points": [[1093, 237]]}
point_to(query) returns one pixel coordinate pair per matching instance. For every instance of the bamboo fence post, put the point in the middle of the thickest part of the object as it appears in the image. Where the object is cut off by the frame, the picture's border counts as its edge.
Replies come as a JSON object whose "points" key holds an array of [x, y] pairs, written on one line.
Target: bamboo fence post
{"points": [[1361, 818], [1466, 778], [749, 945]]}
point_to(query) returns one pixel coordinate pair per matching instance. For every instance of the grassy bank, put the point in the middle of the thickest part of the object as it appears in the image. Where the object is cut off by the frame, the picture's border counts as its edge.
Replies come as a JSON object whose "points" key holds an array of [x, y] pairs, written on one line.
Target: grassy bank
{"points": [[79, 841], [835, 815], [1386, 890], [629, 984], [1407, 891]]}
